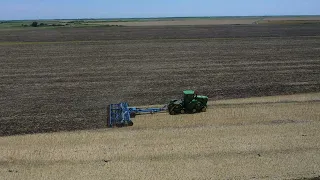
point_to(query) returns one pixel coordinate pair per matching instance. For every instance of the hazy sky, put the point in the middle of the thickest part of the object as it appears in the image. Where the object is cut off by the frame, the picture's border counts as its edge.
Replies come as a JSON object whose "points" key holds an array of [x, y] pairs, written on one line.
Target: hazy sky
{"points": [[63, 9]]}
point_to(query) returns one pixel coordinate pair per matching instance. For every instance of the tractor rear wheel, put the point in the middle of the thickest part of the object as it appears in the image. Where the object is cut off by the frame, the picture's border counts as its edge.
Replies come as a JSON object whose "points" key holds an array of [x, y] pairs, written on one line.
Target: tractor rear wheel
{"points": [[172, 112], [204, 109]]}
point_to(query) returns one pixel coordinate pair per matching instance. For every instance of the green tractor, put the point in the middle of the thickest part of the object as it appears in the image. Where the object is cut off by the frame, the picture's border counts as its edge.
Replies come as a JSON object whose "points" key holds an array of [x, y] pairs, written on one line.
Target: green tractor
{"points": [[191, 103]]}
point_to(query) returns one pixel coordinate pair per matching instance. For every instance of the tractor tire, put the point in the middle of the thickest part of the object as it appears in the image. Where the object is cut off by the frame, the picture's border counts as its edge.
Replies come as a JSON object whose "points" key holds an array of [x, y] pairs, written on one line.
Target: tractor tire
{"points": [[204, 109], [170, 108], [172, 112], [199, 107]]}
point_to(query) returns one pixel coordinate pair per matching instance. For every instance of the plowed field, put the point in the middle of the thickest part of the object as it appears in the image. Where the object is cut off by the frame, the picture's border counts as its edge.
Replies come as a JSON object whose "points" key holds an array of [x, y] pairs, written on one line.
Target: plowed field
{"points": [[63, 79]]}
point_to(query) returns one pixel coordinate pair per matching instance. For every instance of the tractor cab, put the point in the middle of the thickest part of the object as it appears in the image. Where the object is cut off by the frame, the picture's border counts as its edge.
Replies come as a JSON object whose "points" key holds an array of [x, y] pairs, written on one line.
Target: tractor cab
{"points": [[189, 95]]}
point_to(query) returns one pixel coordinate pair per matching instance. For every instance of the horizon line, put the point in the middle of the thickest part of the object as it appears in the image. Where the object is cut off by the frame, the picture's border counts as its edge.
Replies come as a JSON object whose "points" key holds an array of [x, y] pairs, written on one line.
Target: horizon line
{"points": [[163, 17]]}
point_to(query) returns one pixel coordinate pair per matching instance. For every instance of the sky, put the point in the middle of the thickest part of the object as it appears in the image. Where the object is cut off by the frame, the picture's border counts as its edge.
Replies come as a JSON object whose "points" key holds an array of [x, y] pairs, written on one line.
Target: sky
{"points": [[73, 9]]}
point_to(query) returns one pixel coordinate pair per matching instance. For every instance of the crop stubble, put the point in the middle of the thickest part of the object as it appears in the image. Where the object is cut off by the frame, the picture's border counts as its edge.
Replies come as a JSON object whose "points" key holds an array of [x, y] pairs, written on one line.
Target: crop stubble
{"points": [[63, 79]]}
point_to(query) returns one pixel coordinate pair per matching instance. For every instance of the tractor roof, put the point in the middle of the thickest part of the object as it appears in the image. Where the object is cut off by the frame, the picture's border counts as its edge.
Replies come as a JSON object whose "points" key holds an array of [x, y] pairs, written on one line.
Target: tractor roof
{"points": [[202, 97], [187, 92]]}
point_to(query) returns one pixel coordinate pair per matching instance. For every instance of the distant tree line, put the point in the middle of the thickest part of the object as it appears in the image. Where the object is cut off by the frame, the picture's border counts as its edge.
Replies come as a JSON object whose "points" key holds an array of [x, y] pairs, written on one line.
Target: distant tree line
{"points": [[34, 24], [69, 23], [37, 24]]}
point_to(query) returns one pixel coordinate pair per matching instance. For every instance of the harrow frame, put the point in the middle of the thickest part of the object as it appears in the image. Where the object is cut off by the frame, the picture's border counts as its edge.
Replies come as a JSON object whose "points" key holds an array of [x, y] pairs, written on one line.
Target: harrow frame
{"points": [[120, 115]]}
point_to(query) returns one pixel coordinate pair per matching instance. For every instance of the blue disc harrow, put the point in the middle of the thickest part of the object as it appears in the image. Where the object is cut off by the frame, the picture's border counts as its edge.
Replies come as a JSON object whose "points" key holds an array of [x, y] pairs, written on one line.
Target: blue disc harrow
{"points": [[120, 115]]}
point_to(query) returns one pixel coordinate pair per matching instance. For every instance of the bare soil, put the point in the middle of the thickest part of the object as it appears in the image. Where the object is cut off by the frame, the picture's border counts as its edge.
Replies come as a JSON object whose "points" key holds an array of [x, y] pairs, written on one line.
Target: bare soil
{"points": [[63, 79], [257, 138], [158, 32]]}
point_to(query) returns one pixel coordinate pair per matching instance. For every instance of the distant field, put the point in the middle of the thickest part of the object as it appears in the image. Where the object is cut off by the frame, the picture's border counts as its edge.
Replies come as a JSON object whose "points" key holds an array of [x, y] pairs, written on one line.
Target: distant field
{"points": [[290, 18], [221, 21], [187, 22], [173, 21]]}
